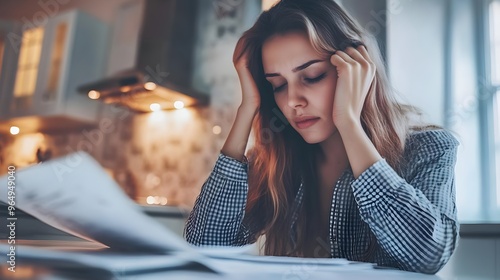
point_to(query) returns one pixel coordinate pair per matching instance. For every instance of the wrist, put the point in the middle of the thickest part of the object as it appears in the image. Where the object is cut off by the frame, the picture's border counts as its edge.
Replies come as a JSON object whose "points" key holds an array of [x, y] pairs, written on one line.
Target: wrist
{"points": [[249, 110], [348, 124]]}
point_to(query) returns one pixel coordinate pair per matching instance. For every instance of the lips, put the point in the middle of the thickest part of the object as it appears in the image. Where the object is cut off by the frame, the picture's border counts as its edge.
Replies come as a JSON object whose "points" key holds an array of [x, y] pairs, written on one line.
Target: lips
{"points": [[305, 122]]}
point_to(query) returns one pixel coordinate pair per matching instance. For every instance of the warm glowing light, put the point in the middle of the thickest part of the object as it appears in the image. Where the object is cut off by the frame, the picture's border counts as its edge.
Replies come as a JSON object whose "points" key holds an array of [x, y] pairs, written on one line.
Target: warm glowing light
{"points": [[150, 200], [156, 200], [266, 4], [178, 104], [163, 200], [14, 130], [216, 129], [150, 86], [27, 144], [155, 180], [182, 117], [93, 94], [125, 88], [155, 107]]}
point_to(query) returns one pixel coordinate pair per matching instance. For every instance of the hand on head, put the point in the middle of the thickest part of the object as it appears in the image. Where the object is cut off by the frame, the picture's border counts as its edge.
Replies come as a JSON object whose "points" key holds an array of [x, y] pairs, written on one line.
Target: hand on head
{"points": [[250, 92], [356, 73]]}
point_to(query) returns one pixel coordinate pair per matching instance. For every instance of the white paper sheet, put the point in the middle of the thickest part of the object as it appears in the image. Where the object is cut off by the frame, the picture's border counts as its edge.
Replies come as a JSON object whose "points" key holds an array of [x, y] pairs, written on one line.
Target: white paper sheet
{"points": [[233, 267], [76, 195], [112, 262]]}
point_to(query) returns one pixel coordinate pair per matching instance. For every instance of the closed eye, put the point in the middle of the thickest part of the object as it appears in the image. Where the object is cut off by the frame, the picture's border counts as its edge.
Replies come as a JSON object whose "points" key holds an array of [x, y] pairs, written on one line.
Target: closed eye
{"points": [[308, 80], [316, 79], [280, 88]]}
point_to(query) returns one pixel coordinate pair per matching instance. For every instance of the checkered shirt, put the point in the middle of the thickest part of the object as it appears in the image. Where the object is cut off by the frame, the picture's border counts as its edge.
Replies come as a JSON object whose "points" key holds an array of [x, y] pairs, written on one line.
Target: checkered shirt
{"points": [[413, 217]]}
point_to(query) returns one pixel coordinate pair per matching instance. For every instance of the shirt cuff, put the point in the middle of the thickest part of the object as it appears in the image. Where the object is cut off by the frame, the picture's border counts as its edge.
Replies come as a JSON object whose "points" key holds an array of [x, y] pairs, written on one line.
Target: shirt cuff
{"points": [[231, 168]]}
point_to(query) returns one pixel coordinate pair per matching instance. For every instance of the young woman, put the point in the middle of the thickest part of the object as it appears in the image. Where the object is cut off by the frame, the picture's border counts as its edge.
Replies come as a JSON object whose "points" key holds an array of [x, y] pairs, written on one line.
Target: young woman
{"points": [[339, 168]]}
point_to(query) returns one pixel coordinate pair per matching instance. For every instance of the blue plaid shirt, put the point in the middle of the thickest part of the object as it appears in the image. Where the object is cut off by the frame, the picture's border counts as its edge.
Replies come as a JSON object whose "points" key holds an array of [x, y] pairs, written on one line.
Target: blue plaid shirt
{"points": [[413, 217]]}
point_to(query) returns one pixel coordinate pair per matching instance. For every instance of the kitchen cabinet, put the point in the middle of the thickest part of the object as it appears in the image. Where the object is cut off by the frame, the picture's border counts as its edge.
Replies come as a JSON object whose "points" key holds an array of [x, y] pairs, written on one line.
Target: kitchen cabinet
{"points": [[9, 31], [51, 62]]}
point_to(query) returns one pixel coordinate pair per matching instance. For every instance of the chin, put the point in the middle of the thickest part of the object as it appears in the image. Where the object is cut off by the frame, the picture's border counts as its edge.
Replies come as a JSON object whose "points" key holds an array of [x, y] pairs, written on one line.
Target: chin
{"points": [[317, 136], [314, 139]]}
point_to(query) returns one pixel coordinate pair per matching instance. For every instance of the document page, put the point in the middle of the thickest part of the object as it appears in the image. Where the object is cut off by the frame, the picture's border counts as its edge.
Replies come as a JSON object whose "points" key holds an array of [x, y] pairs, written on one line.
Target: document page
{"points": [[114, 263], [75, 194]]}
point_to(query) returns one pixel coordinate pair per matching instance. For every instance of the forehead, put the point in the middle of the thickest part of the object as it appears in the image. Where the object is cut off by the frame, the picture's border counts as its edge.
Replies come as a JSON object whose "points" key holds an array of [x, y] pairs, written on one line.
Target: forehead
{"points": [[282, 53]]}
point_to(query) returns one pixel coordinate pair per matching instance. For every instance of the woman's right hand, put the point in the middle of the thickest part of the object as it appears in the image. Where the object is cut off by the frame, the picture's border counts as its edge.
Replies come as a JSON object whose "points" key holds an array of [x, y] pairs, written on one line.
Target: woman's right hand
{"points": [[237, 139], [250, 93]]}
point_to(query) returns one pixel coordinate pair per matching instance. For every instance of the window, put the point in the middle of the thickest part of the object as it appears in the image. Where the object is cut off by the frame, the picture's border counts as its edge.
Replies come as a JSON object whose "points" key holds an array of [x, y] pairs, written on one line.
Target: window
{"points": [[27, 67], [494, 26], [56, 61], [497, 147], [473, 62], [267, 4], [495, 42]]}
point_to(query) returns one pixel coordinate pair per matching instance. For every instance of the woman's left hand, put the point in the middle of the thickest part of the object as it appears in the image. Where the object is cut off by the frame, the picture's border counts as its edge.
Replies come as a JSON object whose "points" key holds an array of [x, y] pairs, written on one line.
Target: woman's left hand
{"points": [[356, 73]]}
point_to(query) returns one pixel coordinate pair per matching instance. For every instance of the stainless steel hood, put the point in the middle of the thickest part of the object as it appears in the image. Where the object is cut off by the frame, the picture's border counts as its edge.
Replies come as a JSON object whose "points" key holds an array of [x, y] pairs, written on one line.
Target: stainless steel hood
{"points": [[161, 76]]}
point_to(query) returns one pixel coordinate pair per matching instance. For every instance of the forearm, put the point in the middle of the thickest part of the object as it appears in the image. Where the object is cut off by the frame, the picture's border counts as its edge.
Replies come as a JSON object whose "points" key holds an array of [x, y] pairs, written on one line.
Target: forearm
{"points": [[413, 218], [360, 150], [408, 226], [418, 241], [237, 139]]}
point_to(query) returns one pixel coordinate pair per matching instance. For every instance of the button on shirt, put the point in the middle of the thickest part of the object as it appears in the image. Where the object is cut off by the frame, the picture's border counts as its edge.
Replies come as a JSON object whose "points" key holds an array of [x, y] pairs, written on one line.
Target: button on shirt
{"points": [[412, 216]]}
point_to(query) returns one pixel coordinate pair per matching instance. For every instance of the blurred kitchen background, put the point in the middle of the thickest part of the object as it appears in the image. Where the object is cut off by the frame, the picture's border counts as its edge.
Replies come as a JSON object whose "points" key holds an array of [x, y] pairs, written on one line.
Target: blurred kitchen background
{"points": [[148, 88]]}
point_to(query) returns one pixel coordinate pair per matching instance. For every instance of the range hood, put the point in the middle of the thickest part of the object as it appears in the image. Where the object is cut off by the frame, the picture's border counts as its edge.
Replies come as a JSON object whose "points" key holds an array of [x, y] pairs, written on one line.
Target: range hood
{"points": [[161, 76]]}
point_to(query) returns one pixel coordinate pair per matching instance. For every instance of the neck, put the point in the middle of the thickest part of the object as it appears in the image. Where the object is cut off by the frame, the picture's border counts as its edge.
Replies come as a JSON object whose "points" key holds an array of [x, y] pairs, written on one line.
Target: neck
{"points": [[333, 153]]}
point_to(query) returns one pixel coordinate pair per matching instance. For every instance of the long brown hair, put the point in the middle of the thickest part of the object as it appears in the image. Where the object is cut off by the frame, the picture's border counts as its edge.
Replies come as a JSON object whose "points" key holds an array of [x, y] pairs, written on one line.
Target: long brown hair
{"points": [[280, 159]]}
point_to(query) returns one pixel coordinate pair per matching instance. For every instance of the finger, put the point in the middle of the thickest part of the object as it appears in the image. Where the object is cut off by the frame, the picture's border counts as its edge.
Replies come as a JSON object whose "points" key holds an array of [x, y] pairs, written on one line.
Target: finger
{"points": [[240, 49], [362, 50], [344, 56], [356, 55], [338, 61]]}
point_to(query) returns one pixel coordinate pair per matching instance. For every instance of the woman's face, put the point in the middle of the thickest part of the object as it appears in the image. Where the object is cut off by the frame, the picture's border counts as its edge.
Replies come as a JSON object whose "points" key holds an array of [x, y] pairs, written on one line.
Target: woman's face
{"points": [[303, 82]]}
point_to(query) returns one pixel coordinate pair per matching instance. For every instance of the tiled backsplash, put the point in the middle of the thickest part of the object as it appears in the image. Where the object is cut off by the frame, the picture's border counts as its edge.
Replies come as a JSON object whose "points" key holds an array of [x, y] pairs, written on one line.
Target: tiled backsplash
{"points": [[166, 154]]}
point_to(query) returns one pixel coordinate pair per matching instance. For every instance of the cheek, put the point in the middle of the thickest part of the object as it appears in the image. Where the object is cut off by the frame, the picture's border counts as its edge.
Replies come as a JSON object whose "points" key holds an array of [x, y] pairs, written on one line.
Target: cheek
{"points": [[327, 91], [280, 100], [332, 81]]}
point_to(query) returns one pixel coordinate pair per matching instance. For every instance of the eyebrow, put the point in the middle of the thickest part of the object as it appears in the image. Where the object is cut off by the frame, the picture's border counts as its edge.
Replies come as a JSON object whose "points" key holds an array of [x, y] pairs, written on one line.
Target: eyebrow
{"points": [[298, 68]]}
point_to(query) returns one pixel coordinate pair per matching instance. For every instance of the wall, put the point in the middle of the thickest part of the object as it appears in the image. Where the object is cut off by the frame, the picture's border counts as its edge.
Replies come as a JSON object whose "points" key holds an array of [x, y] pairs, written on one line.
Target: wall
{"points": [[165, 154], [432, 58], [415, 51], [372, 16], [463, 117]]}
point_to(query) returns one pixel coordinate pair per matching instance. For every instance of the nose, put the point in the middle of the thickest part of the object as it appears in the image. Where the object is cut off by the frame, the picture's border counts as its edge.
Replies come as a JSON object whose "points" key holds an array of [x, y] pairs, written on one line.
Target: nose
{"points": [[295, 97]]}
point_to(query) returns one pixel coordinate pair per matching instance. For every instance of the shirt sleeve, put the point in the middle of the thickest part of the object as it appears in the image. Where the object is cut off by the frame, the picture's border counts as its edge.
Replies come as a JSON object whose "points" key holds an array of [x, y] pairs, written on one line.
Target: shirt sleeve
{"points": [[414, 221], [217, 216]]}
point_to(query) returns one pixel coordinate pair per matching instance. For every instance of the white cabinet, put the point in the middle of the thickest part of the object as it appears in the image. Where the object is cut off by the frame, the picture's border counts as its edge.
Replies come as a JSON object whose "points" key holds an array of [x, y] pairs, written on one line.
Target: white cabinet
{"points": [[52, 61], [9, 31]]}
